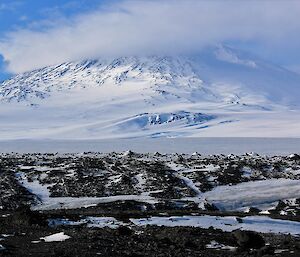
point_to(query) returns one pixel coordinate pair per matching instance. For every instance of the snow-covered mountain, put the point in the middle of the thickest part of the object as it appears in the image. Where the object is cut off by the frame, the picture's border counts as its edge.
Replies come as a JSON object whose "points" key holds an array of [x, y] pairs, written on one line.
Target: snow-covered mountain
{"points": [[219, 92]]}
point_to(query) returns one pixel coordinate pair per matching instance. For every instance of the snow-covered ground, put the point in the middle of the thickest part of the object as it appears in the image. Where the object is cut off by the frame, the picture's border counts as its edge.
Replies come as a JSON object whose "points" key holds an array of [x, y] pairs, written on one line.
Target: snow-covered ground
{"points": [[230, 223], [156, 96], [263, 146], [79, 202], [261, 194], [49, 203], [58, 237], [253, 223]]}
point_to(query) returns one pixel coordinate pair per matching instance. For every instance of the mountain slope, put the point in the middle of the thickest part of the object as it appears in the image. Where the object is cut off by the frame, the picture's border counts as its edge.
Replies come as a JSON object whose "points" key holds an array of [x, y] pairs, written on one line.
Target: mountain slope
{"points": [[220, 92]]}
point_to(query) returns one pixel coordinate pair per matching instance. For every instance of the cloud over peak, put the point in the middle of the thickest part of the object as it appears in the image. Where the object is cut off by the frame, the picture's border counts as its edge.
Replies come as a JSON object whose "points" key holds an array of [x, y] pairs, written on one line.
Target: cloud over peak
{"points": [[133, 27]]}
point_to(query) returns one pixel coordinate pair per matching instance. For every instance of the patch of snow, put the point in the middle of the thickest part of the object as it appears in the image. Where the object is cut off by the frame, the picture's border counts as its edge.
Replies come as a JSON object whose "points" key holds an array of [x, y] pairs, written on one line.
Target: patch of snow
{"points": [[58, 237], [140, 182], [6, 235], [254, 223], [279, 251], [48, 203], [101, 222], [34, 187], [5, 215], [78, 202], [295, 172], [264, 193], [98, 222], [189, 182], [247, 172], [210, 168], [264, 212], [215, 245], [283, 213]]}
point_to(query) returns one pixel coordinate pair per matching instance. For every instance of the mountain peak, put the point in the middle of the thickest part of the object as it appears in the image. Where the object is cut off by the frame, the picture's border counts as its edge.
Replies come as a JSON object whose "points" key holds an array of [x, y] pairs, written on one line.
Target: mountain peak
{"points": [[149, 95]]}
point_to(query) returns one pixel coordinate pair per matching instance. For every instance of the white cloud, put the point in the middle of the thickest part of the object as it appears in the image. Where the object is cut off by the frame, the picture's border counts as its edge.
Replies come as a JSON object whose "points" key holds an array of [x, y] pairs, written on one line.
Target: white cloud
{"points": [[151, 27]]}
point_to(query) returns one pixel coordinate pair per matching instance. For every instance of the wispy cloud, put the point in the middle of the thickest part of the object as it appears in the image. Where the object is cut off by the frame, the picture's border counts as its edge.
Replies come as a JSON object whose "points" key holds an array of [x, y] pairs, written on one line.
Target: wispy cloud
{"points": [[10, 6], [4, 7], [294, 68], [133, 27]]}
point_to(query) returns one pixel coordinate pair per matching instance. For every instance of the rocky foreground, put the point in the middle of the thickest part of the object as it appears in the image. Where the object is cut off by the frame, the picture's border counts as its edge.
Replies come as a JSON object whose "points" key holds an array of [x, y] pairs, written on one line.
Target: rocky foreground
{"points": [[130, 204]]}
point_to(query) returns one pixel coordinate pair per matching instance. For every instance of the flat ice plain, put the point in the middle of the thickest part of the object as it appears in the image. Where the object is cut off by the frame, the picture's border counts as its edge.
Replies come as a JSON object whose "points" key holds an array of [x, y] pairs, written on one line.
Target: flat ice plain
{"points": [[206, 146]]}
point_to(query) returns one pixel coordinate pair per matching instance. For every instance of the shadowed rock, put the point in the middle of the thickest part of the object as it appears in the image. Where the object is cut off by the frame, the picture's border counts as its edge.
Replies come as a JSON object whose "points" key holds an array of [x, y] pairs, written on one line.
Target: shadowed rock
{"points": [[248, 239]]}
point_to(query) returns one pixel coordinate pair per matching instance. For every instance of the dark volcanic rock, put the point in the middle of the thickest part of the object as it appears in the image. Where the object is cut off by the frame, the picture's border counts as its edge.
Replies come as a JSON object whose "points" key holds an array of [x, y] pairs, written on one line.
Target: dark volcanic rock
{"points": [[23, 216], [248, 239], [265, 251], [124, 231], [172, 179], [13, 195]]}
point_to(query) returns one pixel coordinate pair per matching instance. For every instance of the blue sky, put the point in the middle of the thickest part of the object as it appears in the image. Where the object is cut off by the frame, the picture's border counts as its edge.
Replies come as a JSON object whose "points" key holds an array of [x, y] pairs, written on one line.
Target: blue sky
{"points": [[36, 33], [17, 14], [21, 13]]}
